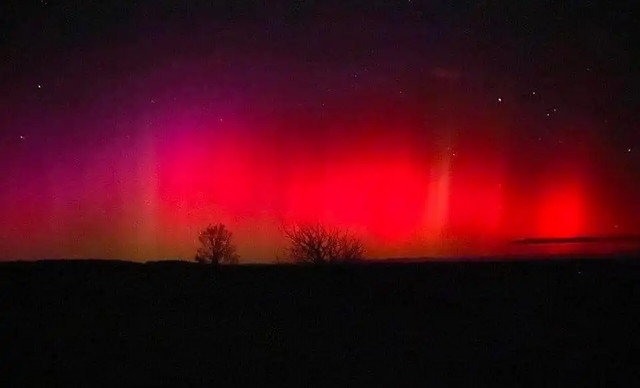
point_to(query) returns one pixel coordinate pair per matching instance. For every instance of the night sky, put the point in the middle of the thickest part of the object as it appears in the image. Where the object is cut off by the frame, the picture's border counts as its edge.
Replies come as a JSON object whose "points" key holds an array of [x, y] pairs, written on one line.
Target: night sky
{"points": [[427, 128]]}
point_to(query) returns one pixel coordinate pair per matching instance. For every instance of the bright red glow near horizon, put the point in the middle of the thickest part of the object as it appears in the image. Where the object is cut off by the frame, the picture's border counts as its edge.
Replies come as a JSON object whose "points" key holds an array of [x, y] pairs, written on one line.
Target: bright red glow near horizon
{"points": [[403, 197], [128, 150], [402, 192], [562, 212]]}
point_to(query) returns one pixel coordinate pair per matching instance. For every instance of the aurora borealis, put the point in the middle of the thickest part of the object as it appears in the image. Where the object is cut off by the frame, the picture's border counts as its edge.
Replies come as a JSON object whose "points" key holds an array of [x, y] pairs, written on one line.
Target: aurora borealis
{"points": [[425, 128]]}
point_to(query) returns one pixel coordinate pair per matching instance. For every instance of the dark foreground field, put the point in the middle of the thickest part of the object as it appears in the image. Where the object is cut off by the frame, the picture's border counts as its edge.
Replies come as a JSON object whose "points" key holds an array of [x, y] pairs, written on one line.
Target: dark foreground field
{"points": [[107, 323]]}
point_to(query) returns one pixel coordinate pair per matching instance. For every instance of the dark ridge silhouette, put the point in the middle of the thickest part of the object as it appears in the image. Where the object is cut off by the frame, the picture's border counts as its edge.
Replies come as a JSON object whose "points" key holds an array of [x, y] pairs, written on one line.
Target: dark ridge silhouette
{"points": [[91, 262], [483, 323], [169, 262]]}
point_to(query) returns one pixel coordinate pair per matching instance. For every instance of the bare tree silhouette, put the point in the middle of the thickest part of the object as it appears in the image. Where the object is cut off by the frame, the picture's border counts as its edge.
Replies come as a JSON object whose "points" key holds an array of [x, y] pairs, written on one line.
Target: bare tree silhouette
{"points": [[217, 247], [316, 244]]}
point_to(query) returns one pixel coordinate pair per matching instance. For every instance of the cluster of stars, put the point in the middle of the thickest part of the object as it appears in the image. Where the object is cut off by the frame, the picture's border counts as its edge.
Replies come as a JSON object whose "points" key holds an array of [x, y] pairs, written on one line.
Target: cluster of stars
{"points": [[549, 113]]}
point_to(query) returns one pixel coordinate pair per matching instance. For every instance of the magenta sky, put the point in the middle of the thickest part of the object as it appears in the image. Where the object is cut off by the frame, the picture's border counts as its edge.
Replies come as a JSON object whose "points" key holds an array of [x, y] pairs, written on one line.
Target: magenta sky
{"points": [[124, 140]]}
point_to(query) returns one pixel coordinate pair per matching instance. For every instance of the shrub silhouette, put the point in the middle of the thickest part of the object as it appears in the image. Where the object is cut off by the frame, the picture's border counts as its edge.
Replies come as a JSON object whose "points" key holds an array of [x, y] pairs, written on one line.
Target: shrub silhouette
{"points": [[316, 244], [217, 247]]}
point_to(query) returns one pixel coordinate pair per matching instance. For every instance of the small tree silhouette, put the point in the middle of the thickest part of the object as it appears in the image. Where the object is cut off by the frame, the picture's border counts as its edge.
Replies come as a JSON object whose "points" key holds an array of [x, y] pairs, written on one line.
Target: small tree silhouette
{"points": [[216, 246], [315, 244]]}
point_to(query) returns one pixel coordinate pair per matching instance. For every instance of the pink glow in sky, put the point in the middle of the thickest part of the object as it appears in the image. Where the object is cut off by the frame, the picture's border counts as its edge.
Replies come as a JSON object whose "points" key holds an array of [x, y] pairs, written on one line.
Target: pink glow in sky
{"points": [[146, 192], [418, 138]]}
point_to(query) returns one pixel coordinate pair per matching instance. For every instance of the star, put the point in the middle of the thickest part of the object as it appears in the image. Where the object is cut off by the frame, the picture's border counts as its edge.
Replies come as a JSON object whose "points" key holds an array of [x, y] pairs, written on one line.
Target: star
{"points": [[499, 99], [628, 149], [39, 86]]}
